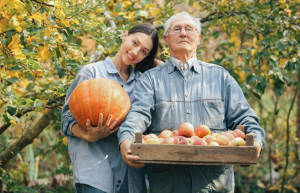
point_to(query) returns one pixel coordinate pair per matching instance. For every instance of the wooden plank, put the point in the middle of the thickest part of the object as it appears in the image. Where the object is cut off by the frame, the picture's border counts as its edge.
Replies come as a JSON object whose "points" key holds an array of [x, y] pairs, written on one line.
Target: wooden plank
{"points": [[194, 163], [250, 139], [138, 137], [194, 153]]}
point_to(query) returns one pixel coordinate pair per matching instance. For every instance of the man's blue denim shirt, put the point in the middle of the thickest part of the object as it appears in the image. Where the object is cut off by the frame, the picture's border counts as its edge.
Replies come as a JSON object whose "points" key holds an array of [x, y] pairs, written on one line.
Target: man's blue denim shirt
{"points": [[100, 164], [165, 97]]}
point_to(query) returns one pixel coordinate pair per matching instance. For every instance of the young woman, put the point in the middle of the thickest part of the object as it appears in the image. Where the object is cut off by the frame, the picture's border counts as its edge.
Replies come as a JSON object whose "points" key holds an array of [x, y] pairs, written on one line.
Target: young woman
{"points": [[98, 166]]}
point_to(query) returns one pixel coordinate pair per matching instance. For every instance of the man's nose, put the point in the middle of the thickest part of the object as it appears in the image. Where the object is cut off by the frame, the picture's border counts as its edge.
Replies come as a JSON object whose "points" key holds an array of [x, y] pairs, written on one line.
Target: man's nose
{"points": [[182, 32]]}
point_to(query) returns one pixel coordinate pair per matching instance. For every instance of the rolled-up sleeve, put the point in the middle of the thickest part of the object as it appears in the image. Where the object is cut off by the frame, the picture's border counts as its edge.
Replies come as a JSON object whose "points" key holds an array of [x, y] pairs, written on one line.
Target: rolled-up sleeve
{"points": [[67, 120], [139, 117], [239, 112]]}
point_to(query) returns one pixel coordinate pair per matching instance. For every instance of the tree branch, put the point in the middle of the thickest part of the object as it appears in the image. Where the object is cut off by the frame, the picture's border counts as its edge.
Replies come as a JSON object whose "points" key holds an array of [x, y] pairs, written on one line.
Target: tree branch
{"points": [[26, 139], [29, 109]]}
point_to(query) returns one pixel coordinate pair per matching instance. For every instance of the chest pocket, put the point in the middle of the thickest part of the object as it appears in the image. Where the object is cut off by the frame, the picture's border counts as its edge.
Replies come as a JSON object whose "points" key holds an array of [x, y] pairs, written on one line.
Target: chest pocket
{"points": [[162, 116], [213, 114]]}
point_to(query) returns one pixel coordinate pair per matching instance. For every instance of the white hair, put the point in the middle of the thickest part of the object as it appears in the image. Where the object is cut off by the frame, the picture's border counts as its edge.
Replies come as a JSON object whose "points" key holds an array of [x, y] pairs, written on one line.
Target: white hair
{"points": [[183, 13]]}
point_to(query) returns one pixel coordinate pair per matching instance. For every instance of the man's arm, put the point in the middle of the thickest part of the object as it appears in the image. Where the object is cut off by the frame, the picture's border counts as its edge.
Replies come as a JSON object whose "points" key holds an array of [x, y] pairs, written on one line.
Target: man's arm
{"points": [[138, 118], [239, 112]]}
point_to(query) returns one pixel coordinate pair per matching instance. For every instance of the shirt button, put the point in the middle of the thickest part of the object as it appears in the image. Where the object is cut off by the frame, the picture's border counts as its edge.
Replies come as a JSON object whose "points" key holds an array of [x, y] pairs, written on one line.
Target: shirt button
{"points": [[119, 181], [118, 186], [186, 95], [188, 111], [185, 79]]}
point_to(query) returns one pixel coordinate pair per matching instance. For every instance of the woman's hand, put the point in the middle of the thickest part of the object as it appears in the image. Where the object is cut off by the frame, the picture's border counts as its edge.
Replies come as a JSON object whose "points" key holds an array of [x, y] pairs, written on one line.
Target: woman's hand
{"points": [[101, 131], [93, 134]]}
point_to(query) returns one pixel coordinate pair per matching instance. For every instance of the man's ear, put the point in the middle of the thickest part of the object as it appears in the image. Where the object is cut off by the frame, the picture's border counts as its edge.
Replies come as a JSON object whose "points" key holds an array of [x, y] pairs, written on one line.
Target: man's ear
{"points": [[124, 36], [199, 40], [166, 40]]}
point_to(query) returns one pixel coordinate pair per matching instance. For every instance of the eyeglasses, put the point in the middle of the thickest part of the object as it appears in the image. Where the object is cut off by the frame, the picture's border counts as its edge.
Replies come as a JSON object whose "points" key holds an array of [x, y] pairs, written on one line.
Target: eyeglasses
{"points": [[188, 29]]}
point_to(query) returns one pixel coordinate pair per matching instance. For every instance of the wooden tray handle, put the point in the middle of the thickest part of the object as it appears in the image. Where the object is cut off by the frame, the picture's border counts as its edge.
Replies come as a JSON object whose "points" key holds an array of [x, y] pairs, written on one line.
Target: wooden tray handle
{"points": [[138, 137]]}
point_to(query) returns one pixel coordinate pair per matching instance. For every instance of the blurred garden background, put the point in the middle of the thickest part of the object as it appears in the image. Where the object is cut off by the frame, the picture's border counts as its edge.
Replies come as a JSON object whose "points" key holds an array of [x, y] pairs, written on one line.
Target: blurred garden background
{"points": [[43, 44]]}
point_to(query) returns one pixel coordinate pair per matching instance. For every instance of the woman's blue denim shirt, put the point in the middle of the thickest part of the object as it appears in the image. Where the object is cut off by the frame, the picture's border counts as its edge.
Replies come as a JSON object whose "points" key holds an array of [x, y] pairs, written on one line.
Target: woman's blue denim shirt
{"points": [[165, 97], [100, 164]]}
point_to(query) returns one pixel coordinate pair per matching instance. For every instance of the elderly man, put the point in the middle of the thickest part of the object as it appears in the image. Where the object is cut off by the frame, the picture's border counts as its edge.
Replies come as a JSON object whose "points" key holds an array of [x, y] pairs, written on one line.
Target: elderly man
{"points": [[185, 89]]}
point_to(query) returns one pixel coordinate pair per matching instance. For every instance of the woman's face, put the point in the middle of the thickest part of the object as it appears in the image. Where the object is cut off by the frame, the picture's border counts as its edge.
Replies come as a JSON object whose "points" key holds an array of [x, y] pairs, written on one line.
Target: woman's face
{"points": [[135, 47]]}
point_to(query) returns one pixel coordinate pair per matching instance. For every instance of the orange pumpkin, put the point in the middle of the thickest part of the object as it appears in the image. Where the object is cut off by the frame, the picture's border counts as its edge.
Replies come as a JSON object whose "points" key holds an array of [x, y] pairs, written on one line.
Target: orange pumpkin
{"points": [[99, 95]]}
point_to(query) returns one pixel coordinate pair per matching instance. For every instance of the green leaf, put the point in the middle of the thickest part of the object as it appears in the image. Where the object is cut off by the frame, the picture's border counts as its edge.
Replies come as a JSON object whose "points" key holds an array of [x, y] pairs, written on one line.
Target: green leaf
{"points": [[11, 110], [191, 2], [12, 80], [30, 87], [279, 88], [16, 68], [118, 7]]}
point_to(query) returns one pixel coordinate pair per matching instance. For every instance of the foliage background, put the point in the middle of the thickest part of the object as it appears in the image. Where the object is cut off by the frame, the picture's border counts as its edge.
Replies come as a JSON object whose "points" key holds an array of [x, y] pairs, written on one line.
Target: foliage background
{"points": [[42, 47]]}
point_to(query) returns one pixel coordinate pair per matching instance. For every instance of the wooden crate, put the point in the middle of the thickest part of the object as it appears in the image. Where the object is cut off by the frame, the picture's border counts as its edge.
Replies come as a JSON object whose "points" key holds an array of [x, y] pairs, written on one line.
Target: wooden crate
{"points": [[196, 154]]}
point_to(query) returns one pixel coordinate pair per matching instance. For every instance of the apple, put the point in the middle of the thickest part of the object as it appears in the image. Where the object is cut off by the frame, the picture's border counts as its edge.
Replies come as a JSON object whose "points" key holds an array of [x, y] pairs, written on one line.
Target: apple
{"points": [[228, 135], [202, 130], [200, 141], [165, 134], [238, 141], [206, 136], [186, 129], [143, 141], [153, 141], [222, 140], [151, 135], [180, 140], [215, 134], [160, 140], [195, 137], [240, 133], [232, 132], [210, 139], [175, 133], [190, 141], [168, 140], [213, 143]]}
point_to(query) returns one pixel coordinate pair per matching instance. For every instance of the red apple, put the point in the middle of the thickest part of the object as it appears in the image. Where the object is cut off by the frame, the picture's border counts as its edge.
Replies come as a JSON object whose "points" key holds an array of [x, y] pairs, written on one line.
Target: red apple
{"points": [[186, 129], [238, 141], [213, 143], [190, 141], [168, 140], [200, 141], [175, 133], [240, 133], [222, 140], [165, 134], [153, 141], [232, 132], [228, 135], [210, 139], [202, 130], [180, 140], [195, 137]]}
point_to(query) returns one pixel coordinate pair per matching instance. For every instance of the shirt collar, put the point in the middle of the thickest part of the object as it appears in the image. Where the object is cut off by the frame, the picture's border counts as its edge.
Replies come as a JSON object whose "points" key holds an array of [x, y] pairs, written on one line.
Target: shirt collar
{"points": [[111, 68], [177, 62]]}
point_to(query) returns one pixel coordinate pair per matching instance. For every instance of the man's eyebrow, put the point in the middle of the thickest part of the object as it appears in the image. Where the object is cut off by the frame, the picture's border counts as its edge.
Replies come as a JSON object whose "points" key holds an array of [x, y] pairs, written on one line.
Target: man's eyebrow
{"points": [[140, 43]]}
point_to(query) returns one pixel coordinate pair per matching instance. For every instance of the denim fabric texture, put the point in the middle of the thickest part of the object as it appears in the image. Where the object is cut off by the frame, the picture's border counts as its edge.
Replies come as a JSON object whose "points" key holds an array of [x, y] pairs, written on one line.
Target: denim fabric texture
{"points": [[100, 164], [164, 97]]}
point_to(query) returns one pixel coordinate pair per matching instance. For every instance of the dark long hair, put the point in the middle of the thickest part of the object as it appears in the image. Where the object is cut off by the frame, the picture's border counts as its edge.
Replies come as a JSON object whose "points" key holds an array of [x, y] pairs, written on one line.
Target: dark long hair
{"points": [[150, 30]]}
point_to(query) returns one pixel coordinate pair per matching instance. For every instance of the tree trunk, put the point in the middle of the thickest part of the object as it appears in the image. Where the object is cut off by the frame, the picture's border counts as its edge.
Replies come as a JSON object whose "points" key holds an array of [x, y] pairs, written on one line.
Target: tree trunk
{"points": [[26, 139], [298, 115]]}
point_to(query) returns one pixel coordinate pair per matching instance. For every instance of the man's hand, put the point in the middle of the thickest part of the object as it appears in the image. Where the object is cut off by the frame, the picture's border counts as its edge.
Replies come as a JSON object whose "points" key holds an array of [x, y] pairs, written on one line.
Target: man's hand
{"points": [[127, 157], [258, 146], [93, 134]]}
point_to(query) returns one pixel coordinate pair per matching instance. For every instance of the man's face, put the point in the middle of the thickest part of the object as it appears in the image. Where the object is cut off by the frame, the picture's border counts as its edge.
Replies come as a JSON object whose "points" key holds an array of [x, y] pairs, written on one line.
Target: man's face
{"points": [[182, 36]]}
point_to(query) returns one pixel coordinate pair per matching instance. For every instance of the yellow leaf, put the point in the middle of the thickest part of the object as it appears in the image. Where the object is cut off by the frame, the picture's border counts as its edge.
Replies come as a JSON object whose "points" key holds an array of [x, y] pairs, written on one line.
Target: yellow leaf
{"points": [[64, 22], [126, 3], [37, 17], [18, 54], [260, 184], [14, 42], [47, 32], [43, 53], [130, 16], [253, 52], [3, 2], [196, 6], [254, 42], [12, 122], [19, 29], [2, 25], [148, 5], [282, 1], [65, 141]]}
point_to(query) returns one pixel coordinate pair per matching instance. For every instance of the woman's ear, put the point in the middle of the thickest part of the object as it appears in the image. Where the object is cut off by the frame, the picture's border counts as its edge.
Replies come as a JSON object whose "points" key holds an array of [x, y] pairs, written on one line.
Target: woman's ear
{"points": [[124, 36]]}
